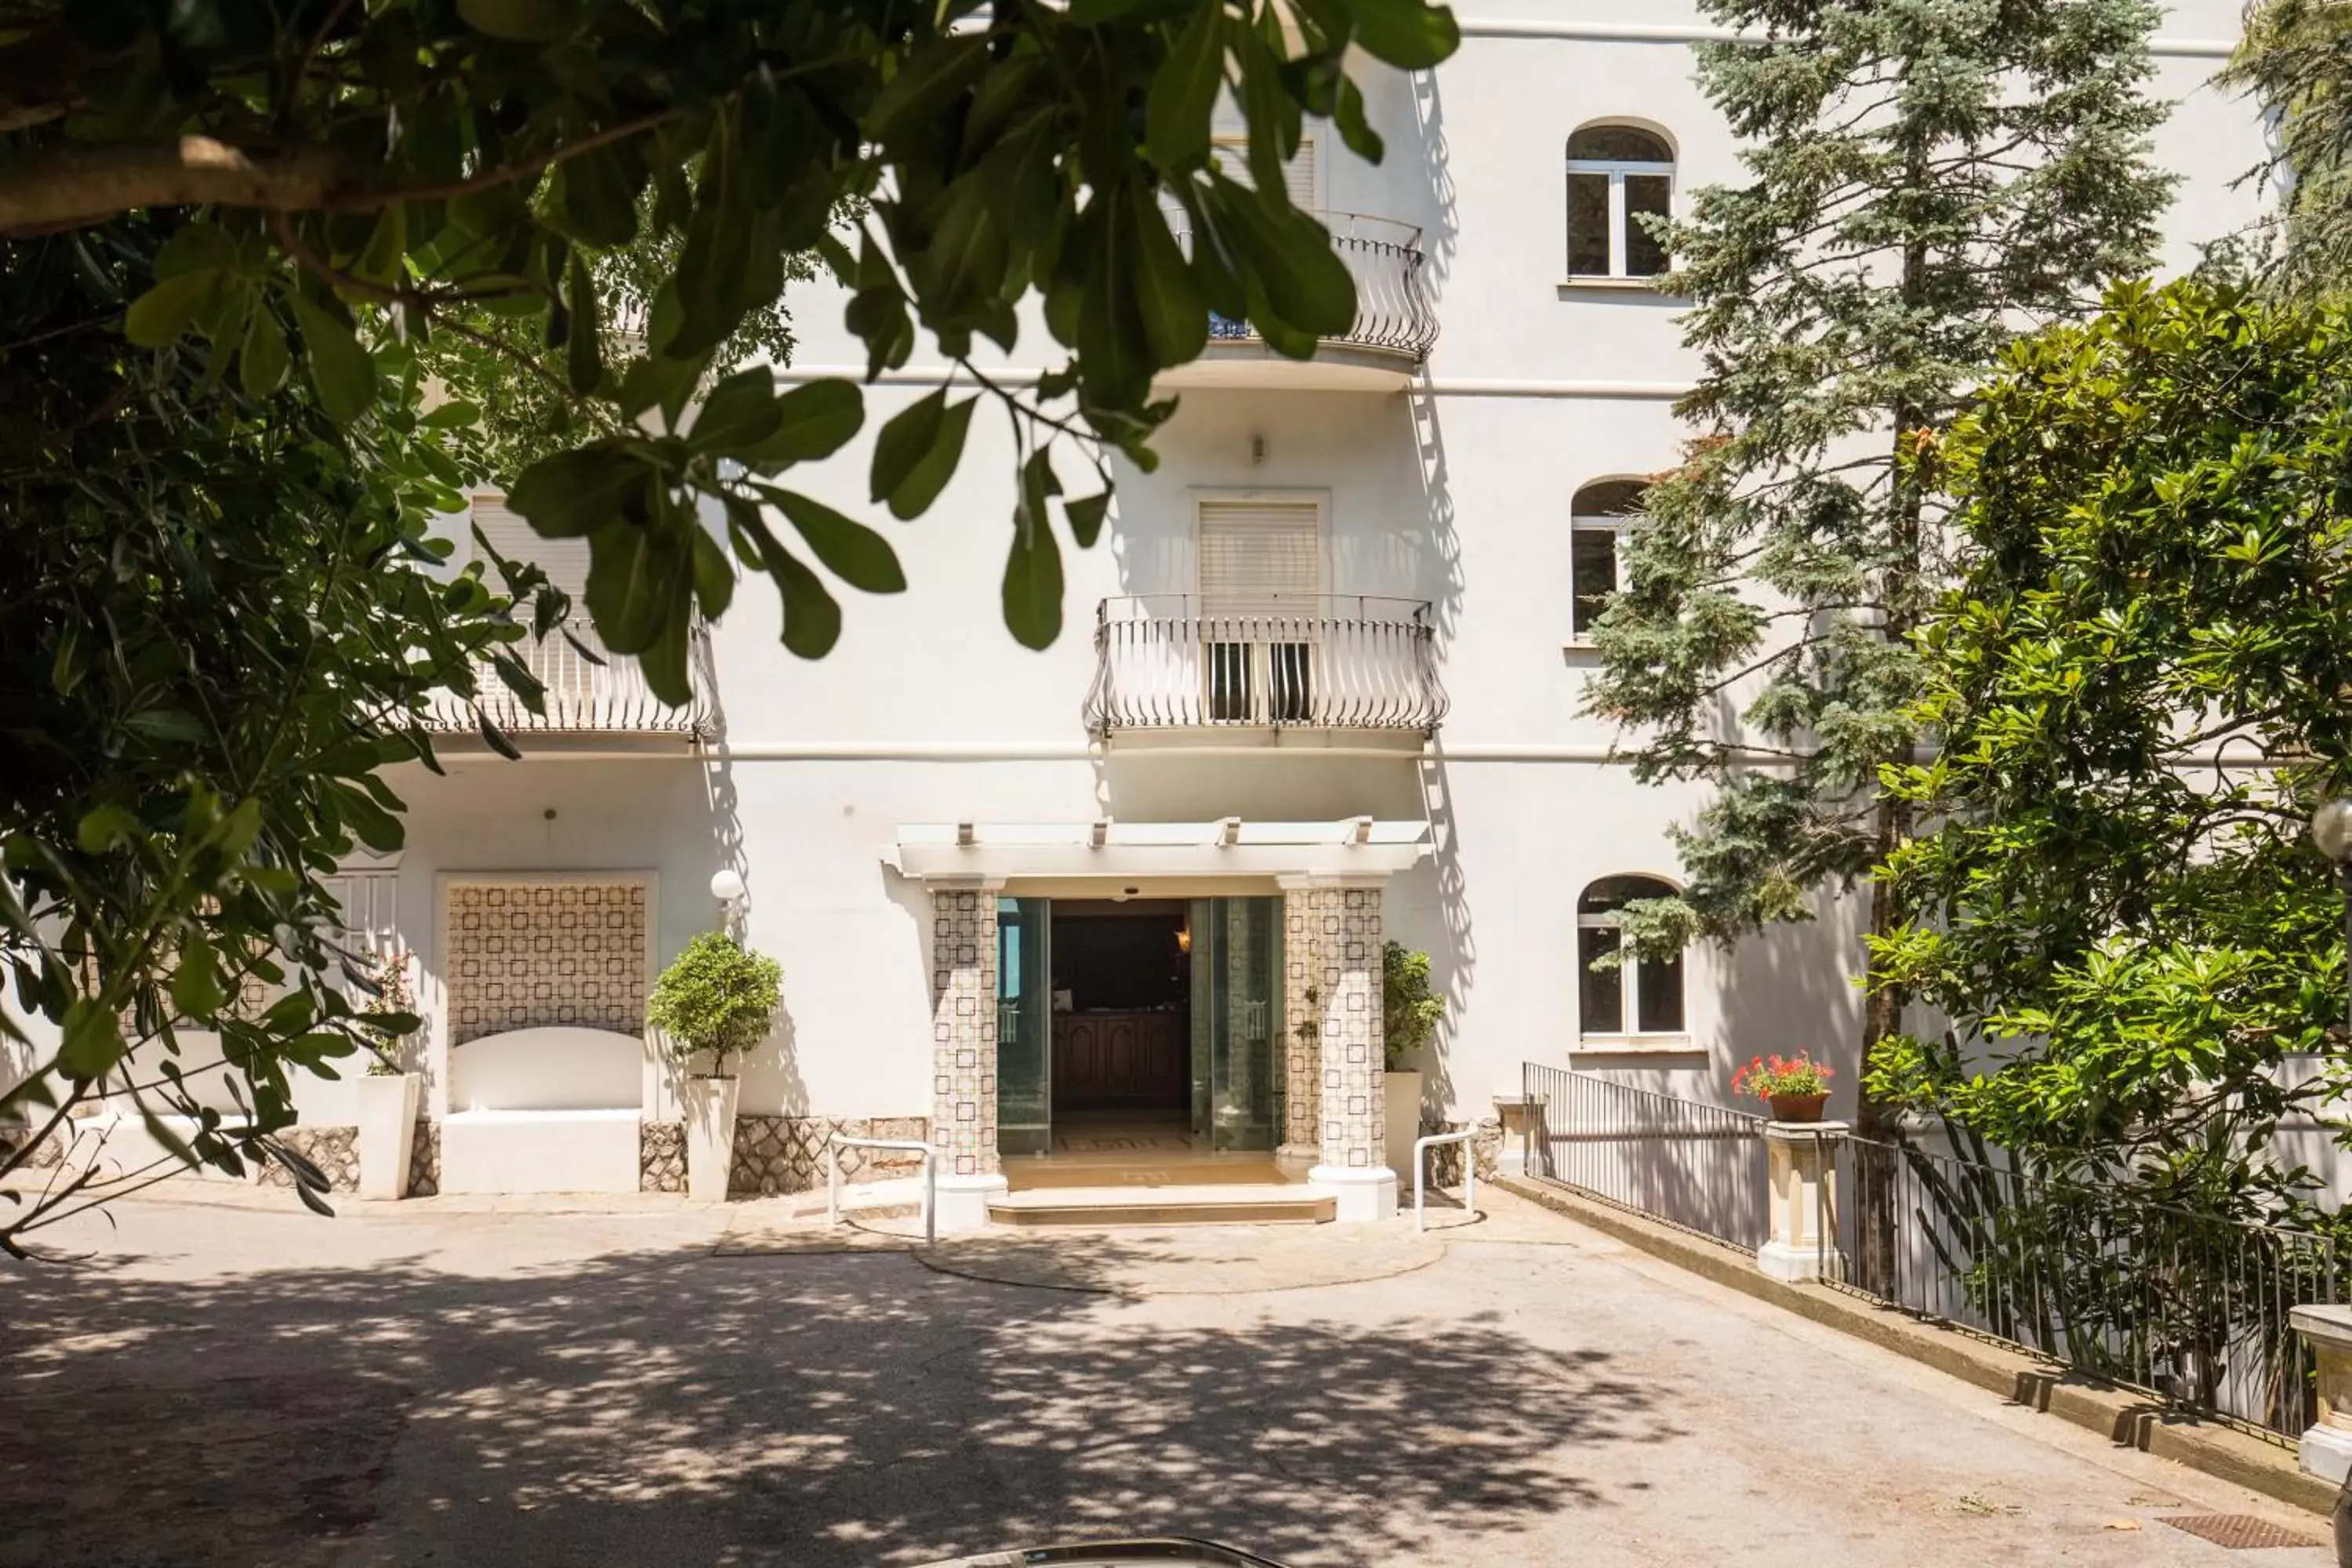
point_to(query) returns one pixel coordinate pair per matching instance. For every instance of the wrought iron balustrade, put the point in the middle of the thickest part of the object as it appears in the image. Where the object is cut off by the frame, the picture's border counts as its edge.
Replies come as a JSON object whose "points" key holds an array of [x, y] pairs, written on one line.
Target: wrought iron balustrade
{"points": [[581, 697], [1344, 662], [1393, 311]]}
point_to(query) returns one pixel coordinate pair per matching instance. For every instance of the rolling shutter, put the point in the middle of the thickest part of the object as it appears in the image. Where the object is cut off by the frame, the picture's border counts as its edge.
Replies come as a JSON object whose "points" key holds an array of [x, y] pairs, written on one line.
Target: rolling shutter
{"points": [[1297, 176], [565, 561], [1260, 558]]}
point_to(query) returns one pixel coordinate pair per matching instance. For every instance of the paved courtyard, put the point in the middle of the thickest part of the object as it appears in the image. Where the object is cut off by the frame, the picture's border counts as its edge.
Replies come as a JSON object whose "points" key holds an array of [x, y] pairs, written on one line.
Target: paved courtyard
{"points": [[238, 1383]]}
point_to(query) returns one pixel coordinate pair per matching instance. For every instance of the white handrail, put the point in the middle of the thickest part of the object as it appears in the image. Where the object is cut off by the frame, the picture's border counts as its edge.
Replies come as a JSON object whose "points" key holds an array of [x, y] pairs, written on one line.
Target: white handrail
{"points": [[1421, 1148], [840, 1140]]}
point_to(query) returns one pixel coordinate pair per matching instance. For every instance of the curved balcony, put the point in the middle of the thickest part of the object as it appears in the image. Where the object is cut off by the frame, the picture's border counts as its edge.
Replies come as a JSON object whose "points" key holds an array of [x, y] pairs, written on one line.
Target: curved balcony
{"points": [[1347, 662], [584, 698], [1396, 324]]}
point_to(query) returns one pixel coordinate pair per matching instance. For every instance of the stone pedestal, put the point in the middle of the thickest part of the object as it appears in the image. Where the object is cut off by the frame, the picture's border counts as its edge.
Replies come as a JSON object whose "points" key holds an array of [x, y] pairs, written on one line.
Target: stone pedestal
{"points": [[1802, 1172], [2325, 1449], [1522, 1119], [1362, 1194], [387, 1123]]}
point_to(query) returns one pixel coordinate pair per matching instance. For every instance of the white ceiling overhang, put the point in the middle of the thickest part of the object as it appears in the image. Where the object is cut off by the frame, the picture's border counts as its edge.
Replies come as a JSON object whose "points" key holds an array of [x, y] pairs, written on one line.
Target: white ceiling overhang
{"points": [[983, 852]]}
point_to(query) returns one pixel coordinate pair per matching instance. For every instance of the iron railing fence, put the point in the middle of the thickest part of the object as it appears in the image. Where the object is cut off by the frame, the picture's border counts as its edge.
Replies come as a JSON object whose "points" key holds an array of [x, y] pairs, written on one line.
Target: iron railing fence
{"points": [[1337, 662], [1697, 1167], [1394, 309], [2189, 1306], [581, 696]]}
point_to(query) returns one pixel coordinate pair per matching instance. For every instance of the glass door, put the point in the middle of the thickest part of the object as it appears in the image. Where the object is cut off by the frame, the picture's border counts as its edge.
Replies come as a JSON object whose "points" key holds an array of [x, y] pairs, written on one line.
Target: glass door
{"points": [[1236, 1014], [1024, 1025]]}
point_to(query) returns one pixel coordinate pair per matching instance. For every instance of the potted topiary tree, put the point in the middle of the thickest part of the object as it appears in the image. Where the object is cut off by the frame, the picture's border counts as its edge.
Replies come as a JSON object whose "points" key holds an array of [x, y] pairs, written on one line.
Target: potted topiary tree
{"points": [[387, 1096], [717, 1001], [1410, 1013]]}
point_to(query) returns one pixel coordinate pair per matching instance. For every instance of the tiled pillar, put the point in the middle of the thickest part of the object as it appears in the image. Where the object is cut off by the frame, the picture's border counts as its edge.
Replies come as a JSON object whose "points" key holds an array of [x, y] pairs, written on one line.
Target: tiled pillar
{"points": [[963, 1053], [1339, 920], [1302, 1047]]}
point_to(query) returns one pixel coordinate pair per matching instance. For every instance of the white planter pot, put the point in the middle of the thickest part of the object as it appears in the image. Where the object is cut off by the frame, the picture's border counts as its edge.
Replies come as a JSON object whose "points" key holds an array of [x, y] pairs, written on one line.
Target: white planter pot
{"points": [[709, 1105], [387, 1113], [1403, 1095]]}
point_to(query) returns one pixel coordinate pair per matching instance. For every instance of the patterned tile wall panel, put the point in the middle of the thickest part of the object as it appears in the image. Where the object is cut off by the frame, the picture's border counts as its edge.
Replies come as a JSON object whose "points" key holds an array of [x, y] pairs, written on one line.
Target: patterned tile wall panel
{"points": [[786, 1153], [963, 1030], [1341, 928], [527, 954], [424, 1161], [334, 1150], [1302, 1109], [661, 1156]]}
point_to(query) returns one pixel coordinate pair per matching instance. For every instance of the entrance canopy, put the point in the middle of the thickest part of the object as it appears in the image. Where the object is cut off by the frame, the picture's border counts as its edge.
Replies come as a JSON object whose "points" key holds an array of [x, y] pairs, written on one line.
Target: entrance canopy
{"points": [[971, 853]]}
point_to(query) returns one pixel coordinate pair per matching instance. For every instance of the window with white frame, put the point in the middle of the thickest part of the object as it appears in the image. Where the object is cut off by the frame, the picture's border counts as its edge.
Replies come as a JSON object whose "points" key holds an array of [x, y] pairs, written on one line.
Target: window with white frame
{"points": [[1597, 520], [1637, 996], [1617, 174]]}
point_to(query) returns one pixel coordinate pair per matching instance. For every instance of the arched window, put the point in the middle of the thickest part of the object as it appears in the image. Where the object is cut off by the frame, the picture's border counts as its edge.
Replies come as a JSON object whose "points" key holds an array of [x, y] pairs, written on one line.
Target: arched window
{"points": [[1616, 174], [1653, 987], [1597, 519]]}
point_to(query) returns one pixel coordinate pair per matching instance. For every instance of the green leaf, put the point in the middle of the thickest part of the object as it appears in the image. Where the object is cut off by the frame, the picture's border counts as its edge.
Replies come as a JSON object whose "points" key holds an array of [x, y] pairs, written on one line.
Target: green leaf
{"points": [[522, 21], [740, 414], [811, 617], [850, 551], [639, 577], [814, 421], [104, 828], [92, 1041], [595, 195], [583, 359], [162, 314], [937, 466], [714, 575], [452, 416], [904, 438], [1086, 514], [1289, 256], [573, 494], [1355, 131], [1033, 574], [1406, 34], [196, 989], [1175, 317], [262, 362], [1184, 90], [340, 368], [926, 85]]}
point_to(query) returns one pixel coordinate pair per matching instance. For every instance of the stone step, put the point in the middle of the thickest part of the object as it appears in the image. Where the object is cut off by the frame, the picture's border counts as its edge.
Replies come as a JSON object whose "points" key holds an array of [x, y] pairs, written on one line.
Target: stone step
{"points": [[1253, 1205]]}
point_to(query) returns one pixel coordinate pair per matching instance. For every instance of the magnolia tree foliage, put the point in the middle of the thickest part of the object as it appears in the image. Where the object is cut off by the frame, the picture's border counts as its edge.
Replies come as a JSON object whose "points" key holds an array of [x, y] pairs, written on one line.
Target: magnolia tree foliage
{"points": [[1924, 179], [219, 622], [368, 172], [2139, 680], [716, 996]]}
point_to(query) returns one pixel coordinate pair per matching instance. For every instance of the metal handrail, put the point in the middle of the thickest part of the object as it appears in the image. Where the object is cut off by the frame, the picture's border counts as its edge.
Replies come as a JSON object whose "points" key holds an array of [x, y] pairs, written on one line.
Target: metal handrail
{"points": [[1421, 1148], [840, 1140], [1354, 661]]}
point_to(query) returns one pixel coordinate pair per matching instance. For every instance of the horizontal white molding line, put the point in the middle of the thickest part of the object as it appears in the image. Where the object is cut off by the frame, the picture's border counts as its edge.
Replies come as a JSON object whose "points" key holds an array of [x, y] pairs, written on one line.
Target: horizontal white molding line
{"points": [[1440, 387], [1689, 33], [1484, 387]]}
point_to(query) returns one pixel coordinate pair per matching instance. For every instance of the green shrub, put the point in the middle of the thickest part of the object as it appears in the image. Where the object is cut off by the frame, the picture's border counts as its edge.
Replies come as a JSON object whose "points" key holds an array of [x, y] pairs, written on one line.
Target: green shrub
{"points": [[1409, 1013], [717, 997]]}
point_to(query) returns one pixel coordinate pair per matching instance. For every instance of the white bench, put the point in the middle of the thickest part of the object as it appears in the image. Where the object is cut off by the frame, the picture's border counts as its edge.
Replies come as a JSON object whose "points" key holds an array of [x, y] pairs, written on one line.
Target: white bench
{"points": [[544, 1110]]}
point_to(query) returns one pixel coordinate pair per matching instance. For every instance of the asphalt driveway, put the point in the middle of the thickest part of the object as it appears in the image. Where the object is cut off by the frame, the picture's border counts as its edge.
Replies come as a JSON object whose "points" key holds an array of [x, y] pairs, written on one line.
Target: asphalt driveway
{"points": [[243, 1384]]}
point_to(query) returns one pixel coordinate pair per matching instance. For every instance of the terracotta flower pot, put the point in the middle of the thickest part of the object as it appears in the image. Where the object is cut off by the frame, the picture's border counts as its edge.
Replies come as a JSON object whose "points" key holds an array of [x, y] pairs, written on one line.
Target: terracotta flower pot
{"points": [[1798, 1107]]}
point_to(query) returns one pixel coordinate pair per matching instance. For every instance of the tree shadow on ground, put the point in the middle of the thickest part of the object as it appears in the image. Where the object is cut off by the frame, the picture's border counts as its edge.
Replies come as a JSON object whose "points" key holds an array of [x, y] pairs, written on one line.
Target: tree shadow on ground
{"points": [[811, 1410]]}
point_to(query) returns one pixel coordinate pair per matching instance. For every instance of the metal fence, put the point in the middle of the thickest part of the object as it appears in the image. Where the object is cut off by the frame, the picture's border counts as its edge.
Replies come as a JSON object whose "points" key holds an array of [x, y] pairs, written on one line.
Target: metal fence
{"points": [[1697, 1167], [2189, 1306], [1329, 661]]}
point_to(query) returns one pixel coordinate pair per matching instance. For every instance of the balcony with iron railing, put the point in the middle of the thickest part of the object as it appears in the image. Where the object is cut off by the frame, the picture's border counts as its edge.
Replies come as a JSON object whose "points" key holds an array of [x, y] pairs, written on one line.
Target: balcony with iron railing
{"points": [[582, 697], [1349, 662], [1396, 323]]}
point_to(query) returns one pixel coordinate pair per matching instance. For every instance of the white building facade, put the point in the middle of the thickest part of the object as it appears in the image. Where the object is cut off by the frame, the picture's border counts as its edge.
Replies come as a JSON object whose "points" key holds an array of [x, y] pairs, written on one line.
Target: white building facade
{"points": [[1320, 687]]}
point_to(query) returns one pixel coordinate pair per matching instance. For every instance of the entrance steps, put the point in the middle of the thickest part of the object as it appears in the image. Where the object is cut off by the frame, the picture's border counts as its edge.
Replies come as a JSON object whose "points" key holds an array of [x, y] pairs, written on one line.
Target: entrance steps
{"points": [[1229, 1204]]}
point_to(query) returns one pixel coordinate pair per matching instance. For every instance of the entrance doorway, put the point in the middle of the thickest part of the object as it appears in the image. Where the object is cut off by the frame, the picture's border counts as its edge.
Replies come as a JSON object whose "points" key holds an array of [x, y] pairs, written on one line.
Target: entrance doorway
{"points": [[1138, 1025]]}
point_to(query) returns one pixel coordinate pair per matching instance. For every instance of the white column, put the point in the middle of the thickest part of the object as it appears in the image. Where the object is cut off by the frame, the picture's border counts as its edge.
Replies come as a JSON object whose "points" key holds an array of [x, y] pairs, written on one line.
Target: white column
{"points": [[963, 1053], [1343, 916]]}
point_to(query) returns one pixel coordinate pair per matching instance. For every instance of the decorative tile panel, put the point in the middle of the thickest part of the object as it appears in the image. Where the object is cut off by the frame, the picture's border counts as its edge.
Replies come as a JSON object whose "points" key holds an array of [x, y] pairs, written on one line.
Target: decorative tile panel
{"points": [[661, 1156], [424, 1161], [524, 956], [786, 1153], [963, 1030], [1302, 1049], [1335, 950], [334, 1150]]}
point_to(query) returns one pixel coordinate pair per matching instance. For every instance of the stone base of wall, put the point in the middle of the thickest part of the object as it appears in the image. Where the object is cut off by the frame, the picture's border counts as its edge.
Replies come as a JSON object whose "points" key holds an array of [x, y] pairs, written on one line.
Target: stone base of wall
{"points": [[661, 1156], [786, 1153], [49, 1153], [1445, 1160], [424, 1161], [334, 1150]]}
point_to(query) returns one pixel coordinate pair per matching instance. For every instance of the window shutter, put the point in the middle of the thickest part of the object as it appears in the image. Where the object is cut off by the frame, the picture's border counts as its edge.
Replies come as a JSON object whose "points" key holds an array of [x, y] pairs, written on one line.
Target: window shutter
{"points": [[1297, 176], [1260, 558], [565, 561]]}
